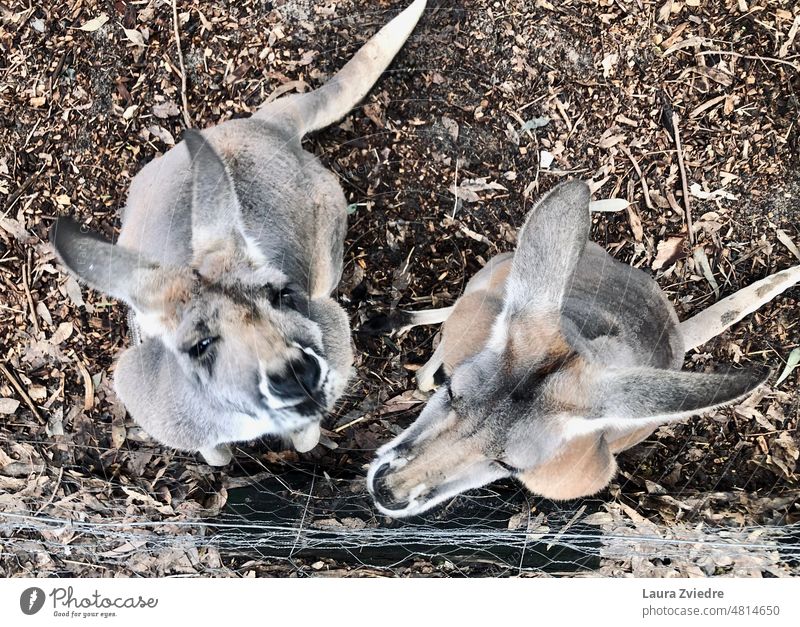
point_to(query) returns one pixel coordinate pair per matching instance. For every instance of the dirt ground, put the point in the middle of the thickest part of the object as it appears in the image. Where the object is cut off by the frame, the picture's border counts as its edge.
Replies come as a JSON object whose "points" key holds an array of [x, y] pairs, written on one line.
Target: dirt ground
{"points": [[484, 91]]}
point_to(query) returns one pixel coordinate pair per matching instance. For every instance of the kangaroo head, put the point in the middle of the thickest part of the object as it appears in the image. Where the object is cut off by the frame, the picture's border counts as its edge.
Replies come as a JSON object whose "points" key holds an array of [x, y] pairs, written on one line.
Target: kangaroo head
{"points": [[245, 337], [533, 402]]}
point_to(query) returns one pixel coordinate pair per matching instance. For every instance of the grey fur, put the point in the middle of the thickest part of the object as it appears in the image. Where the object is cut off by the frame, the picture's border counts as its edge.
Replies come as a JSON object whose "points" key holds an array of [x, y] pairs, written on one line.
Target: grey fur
{"points": [[558, 358], [231, 245]]}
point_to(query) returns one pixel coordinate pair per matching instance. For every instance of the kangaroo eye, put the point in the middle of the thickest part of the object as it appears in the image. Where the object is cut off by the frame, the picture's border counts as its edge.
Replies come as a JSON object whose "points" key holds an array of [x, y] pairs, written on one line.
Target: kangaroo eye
{"points": [[201, 348], [286, 298], [507, 467]]}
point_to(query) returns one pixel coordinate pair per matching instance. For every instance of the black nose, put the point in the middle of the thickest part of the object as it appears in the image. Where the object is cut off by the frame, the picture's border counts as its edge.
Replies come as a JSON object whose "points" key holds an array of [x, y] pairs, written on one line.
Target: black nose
{"points": [[383, 493], [300, 380]]}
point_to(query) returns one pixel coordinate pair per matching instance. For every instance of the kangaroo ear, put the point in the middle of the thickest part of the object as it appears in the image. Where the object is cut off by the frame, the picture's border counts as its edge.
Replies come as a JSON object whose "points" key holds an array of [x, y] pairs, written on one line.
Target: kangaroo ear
{"points": [[548, 248], [651, 393], [216, 213], [112, 270]]}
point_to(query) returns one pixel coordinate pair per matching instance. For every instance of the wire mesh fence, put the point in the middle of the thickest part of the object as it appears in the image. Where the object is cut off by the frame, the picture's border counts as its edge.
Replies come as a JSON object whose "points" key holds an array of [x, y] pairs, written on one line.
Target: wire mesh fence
{"points": [[301, 521]]}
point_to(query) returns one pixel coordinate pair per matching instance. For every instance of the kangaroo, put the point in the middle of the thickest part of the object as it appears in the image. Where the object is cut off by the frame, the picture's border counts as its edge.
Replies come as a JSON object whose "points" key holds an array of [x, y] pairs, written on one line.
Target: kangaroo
{"points": [[556, 358], [230, 248]]}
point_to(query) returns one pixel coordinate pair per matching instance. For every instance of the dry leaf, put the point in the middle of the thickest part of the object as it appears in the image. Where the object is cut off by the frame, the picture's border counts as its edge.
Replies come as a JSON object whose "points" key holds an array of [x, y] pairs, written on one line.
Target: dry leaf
{"points": [[598, 518], [62, 333], [163, 134], [37, 392], [791, 364], [74, 293], [8, 405], [94, 24], [468, 189], [166, 109], [134, 36], [636, 224], [402, 402], [451, 126], [698, 192], [665, 11], [784, 239], [613, 140], [608, 63], [608, 205], [669, 251]]}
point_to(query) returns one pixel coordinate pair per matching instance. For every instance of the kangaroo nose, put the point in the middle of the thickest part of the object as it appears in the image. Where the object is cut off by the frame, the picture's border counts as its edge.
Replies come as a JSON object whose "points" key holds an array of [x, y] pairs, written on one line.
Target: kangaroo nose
{"points": [[383, 493], [301, 379]]}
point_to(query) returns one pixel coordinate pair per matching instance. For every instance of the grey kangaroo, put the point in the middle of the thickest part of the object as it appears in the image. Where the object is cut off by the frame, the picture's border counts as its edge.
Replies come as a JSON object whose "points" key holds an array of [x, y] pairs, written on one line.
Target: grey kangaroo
{"points": [[231, 245], [555, 358]]}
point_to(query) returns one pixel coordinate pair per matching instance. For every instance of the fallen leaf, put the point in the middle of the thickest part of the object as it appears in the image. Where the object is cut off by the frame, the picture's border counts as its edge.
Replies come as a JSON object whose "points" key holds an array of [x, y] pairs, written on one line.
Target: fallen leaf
{"points": [[636, 224], [8, 405], [613, 140], [665, 11], [791, 364], [608, 63], [668, 252], [402, 402], [166, 109], [73, 291], [163, 134], [37, 392], [94, 24], [468, 189], [698, 192], [534, 124], [62, 333], [598, 518], [451, 126], [784, 239], [785, 453], [134, 36], [608, 205]]}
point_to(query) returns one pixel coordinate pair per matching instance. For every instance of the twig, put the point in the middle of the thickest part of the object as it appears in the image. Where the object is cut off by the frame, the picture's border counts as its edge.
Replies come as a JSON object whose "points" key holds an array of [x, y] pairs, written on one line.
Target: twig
{"points": [[29, 296], [455, 190], [53, 494], [13, 381], [752, 57], [636, 167], [186, 118], [353, 422], [19, 191], [684, 184]]}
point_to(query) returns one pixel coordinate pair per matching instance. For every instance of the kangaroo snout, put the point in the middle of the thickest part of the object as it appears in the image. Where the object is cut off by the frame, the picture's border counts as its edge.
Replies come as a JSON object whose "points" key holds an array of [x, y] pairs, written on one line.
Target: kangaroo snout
{"points": [[298, 383], [380, 489], [300, 380]]}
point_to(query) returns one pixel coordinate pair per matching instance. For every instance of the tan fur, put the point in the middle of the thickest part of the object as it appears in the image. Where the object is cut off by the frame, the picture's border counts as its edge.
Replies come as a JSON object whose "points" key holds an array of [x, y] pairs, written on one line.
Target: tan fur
{"points": [[581, 469], [467, 329], [557, 358], [230, 248]]}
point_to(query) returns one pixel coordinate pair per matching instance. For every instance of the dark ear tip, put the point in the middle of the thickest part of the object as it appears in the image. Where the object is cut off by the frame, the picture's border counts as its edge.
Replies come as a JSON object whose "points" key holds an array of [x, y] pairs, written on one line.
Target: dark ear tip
{"points": [[194, 141], [384, 324], [761, 374], [751, 378], [377, 325], [62, 229]]}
